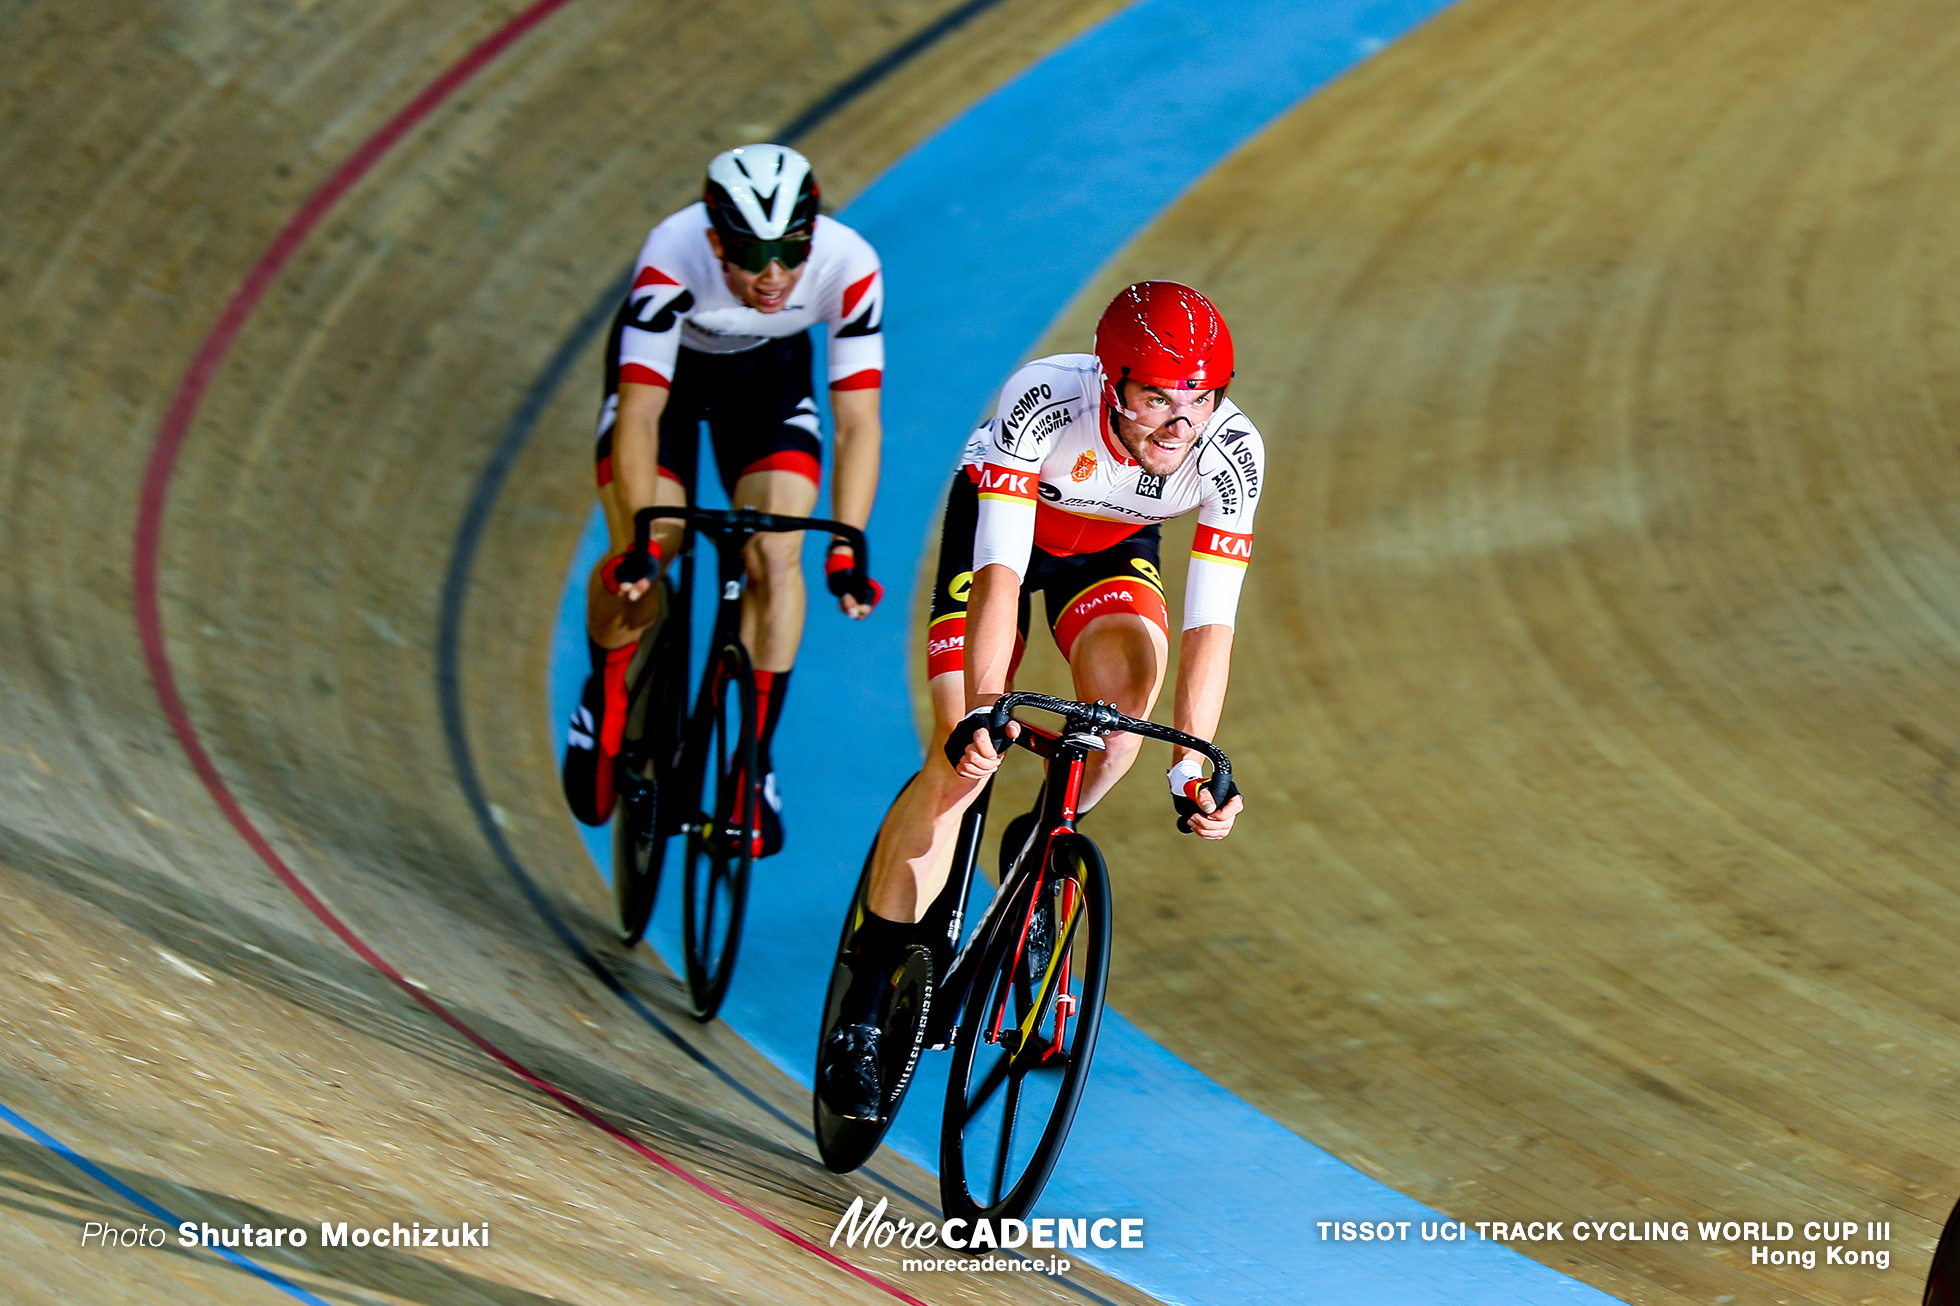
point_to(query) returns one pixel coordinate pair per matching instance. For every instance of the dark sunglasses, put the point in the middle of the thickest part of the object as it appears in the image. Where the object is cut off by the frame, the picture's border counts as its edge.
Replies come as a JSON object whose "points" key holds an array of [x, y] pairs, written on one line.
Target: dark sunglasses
{"points": [[756, 255]]}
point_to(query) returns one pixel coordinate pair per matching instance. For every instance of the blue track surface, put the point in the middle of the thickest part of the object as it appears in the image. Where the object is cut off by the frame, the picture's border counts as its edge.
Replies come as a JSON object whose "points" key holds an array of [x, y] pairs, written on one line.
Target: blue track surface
{"points": [[986, 231]]}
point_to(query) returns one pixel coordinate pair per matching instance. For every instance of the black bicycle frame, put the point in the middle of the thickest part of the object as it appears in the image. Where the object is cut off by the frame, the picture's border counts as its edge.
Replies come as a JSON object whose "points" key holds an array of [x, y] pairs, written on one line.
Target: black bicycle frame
{"points": [[1068, 750], [730, 529]]}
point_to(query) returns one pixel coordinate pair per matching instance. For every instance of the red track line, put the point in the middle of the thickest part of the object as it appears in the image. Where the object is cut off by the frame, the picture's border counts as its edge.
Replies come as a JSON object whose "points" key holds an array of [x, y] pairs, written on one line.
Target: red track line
{"points": [[149, 615]]}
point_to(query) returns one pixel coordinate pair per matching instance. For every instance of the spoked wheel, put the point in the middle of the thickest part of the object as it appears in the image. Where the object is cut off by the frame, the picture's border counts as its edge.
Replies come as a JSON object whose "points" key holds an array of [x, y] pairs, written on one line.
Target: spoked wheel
{"points": [[843, 1143], [1026, 1036], [652, 732], [722, 833]]}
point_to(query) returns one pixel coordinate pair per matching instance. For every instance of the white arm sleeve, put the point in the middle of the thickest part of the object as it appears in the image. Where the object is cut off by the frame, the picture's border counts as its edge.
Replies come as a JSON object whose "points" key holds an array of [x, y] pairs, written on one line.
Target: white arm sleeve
{"points": [[650, 336], [857, 316], [1234, 468]]}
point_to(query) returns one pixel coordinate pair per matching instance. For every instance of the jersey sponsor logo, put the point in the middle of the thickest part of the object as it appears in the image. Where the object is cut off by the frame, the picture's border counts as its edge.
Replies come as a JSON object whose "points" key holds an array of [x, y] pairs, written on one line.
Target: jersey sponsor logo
{"points": [[1150, 487], [1148, 570], [855, 291], [1102, 507], [1045, 425], [1020, 431], [1085, 466], [1226, 482], [1027, 403], [656, 311], [1006, 483], [959, 587], [1228, 547], [872, 320], [1248, 464]]}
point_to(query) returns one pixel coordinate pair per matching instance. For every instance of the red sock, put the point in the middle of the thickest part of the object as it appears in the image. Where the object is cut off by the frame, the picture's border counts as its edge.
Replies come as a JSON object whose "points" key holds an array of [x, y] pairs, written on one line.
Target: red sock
{"points": [[770, 689], [612, 731]]}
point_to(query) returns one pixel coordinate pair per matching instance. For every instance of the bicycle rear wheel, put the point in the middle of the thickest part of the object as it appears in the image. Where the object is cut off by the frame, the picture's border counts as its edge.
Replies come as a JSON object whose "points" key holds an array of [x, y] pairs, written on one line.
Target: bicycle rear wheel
{"points": [[1028, 1031], [722, 834], [846, 1144], [646, 762]]}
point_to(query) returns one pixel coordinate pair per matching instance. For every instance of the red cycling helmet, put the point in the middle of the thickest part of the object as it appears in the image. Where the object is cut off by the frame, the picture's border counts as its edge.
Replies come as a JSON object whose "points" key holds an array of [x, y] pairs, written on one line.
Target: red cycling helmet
{"points": [[1164, 334]]}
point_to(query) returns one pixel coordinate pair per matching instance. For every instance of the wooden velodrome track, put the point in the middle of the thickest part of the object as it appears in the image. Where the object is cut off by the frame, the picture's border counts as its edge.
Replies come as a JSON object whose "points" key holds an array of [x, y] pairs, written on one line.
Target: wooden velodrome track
{"points": [[1590, 686], [1595, 685], [171, 1011]]}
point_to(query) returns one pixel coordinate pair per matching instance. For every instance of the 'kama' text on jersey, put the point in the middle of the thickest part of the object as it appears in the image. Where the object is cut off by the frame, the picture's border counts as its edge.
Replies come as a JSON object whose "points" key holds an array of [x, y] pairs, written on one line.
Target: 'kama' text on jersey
{"points": [[1051, 476], [679, 297]]}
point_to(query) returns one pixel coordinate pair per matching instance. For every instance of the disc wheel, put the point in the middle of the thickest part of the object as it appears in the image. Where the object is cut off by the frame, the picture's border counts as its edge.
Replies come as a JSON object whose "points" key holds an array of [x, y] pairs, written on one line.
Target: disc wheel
{"points": [[846, 1144], [722, 833], [1026, 1036], [646, 760]]}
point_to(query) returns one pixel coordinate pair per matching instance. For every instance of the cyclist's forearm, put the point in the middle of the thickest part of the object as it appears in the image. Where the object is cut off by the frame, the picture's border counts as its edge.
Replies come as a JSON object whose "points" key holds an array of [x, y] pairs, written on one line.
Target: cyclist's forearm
{"points": [[1204, 669], [636, 444], [991, 612], [854, 471]]}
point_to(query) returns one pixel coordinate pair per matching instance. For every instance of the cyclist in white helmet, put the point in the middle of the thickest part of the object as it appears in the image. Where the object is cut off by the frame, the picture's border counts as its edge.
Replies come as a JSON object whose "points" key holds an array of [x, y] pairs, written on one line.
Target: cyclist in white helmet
{"points": [[716, 329]]}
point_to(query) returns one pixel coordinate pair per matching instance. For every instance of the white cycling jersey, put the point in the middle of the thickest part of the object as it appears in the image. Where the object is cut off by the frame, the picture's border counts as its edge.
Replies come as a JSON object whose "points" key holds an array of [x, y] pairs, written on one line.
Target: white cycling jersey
{"points": [[1052, 477], [679, 298]]}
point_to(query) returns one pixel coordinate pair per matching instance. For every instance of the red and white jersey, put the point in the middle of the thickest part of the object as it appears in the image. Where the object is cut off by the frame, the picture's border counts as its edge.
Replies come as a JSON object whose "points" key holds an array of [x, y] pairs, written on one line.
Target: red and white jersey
{"points": [[1052, 477], [679, 298]]}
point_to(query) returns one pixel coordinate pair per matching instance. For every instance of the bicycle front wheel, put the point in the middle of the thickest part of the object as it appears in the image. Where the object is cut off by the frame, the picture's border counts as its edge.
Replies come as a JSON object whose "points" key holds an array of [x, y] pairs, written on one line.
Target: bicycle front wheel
{"points": [[722, 836], [1028, 1030]]}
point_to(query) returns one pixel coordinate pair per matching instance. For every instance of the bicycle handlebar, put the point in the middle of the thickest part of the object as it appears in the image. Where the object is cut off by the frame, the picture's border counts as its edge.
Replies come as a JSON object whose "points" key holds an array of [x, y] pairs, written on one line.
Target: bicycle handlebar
{"points": [[752, 522], [1102, 719]]}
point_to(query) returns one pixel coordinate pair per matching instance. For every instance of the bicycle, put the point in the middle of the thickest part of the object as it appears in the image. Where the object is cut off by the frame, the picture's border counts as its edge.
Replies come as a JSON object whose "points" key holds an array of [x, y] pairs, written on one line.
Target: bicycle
{"points": [[665, 761], [1040, 950]]}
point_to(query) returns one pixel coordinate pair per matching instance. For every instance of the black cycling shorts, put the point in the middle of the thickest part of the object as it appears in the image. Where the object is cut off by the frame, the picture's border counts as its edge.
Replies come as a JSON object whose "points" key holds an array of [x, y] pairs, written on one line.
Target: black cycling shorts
{"points": [[759, 405], [1076, 589]]}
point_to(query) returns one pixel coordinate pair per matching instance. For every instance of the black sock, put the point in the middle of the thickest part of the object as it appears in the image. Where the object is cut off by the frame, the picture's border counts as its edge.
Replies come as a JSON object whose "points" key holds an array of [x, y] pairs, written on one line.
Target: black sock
{"points": [[876, 949]]}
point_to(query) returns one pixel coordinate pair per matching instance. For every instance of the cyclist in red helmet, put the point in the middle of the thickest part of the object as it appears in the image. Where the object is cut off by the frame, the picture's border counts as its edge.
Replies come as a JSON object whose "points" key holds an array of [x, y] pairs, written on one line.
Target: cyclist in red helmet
{"points": [[1063, 492], [715, 329]]}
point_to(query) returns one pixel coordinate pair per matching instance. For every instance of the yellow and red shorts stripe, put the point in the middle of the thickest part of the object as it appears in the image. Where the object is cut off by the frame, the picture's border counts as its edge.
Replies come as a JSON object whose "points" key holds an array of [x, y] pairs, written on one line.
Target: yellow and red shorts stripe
{"points": [[1114, 595], [946, 647]]}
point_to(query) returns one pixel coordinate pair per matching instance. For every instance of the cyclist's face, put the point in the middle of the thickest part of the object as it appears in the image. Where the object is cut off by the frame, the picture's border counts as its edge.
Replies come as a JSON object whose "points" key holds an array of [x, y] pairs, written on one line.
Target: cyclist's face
{"points": [[766, 291], [1167, 424]]}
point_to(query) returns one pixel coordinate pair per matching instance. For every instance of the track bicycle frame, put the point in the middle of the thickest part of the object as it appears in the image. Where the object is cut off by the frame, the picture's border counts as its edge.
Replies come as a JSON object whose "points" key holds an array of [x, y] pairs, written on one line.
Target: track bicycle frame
{"points": [[730, 529], [1066, 753]]}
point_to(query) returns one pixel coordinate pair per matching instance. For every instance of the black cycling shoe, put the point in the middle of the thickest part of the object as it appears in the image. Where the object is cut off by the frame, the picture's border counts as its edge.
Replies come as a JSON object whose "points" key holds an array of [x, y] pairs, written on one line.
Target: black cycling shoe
{"points": [[850, 1077]]}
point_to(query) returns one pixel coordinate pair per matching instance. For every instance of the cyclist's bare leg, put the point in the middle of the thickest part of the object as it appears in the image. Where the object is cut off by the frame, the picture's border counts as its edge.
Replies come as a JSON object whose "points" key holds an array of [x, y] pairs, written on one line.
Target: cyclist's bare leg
{"points": [[1119, 658], [610, 620], [774, 602], [915, 845]]}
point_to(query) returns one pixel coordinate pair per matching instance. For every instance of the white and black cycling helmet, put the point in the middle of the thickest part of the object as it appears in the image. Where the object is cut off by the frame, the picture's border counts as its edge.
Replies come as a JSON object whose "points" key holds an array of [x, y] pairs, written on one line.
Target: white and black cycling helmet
{"points": [[761, 192]]}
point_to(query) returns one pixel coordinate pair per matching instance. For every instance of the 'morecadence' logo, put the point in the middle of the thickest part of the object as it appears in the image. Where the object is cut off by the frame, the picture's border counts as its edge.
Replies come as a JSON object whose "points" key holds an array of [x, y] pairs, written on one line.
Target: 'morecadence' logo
{"points": [[872, 1228]]}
